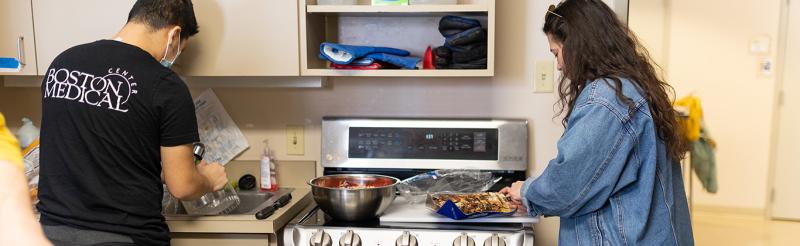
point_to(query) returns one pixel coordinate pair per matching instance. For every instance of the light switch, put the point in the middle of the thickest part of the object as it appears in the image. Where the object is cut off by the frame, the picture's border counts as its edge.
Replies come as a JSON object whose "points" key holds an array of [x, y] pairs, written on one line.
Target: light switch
{"points": [[544, 77], [295, 140]]}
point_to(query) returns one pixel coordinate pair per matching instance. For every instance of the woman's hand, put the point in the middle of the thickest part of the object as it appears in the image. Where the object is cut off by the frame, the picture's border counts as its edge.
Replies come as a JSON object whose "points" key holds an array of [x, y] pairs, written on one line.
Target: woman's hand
{"points": [[513, 192]]}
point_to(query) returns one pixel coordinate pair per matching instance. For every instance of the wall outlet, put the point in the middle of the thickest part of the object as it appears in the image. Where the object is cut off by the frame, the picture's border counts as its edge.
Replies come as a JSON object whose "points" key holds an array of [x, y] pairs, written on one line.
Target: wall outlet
{"points": [[295, 140], [544, 77]]}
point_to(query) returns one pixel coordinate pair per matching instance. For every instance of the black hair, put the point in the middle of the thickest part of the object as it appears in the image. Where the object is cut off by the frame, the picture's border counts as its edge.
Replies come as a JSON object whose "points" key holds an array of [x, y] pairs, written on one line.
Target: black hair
{"points": [[160, 14]]}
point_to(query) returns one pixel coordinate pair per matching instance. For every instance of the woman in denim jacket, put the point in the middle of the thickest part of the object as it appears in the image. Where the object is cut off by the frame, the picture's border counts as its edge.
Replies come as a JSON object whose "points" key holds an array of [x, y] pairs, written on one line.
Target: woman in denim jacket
{"points": [[616, 179]]}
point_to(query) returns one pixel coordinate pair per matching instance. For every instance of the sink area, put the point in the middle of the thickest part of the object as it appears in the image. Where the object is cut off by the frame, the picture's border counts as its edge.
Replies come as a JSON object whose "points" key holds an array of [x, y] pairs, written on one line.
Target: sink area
{"points": [[250, 203]]}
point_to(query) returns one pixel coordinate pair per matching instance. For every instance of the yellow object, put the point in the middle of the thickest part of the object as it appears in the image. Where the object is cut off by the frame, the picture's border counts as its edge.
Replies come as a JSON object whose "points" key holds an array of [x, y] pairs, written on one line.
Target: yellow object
{"points": [[9, 147], [693, 123]]}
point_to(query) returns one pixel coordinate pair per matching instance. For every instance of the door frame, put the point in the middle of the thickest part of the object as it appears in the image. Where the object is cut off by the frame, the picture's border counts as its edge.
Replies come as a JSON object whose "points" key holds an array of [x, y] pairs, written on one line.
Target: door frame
{"points": [[783, 36]]}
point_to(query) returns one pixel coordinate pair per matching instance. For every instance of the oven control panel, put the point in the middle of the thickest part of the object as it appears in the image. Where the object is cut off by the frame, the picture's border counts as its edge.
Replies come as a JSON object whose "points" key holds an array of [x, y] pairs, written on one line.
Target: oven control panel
{"points": [[389, 143], [422, 143]]}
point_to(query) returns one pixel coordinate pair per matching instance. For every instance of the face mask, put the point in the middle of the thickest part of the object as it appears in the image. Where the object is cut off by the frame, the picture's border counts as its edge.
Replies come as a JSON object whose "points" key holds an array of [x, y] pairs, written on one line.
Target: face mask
{"points": [[167, 63]]}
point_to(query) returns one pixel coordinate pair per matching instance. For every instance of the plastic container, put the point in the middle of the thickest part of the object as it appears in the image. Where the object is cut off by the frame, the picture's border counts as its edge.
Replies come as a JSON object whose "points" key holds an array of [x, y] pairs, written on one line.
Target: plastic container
{"points": [[269, 174], [28, 133], [219, 202], [337, 2], [432, 2]]}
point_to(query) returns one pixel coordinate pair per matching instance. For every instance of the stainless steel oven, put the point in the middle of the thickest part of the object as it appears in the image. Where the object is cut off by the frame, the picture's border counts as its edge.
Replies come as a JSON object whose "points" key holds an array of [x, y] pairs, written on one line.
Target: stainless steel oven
{"points": [[405, 147]]}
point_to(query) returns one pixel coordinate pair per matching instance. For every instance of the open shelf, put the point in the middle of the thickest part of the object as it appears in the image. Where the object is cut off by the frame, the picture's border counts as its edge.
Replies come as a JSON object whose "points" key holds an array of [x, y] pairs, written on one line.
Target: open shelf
{"points": [[407, 27], [455, 8], [400, 73]]}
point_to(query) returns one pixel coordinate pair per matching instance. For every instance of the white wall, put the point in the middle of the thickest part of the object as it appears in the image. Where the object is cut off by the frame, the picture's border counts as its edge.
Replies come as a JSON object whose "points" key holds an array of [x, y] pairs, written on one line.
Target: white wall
{"points": [[706, 51], [709, 55], [648, 19]]}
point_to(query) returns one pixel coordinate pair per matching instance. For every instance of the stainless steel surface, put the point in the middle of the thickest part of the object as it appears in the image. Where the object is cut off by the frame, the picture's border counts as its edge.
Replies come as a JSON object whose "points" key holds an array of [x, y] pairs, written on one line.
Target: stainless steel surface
{"points": [[21, 51], [301, 235], [512, 146], [464, 240], [495, 240], [199, 150], [250, 202], [349, 204], [321, 239], [406, 240], [350, 239], [316, 223]]}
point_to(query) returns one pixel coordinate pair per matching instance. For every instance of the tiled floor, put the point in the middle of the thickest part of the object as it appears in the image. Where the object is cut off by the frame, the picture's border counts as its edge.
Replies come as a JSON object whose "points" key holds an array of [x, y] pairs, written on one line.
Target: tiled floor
{"points": [[745, 230]]}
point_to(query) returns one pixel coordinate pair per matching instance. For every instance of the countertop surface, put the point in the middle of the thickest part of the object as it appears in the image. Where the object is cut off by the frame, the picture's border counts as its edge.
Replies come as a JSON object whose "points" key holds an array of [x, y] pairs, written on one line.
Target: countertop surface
{"points": [[301, 197]]}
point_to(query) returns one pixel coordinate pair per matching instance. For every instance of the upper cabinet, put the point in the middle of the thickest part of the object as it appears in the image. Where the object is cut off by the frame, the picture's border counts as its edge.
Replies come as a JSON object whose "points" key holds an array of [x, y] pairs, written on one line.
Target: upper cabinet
{"points": [[237, 37], [243, 38], [62, 24], [17, 37]]}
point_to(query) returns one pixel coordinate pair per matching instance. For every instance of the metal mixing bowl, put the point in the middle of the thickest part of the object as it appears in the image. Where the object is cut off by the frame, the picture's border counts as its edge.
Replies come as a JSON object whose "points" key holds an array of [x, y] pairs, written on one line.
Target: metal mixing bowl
{"points": [[366, 198]]}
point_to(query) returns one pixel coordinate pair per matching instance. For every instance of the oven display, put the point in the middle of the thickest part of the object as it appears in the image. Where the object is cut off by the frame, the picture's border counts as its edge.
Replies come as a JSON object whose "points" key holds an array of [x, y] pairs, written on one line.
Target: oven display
{"points": [[423, 143]]}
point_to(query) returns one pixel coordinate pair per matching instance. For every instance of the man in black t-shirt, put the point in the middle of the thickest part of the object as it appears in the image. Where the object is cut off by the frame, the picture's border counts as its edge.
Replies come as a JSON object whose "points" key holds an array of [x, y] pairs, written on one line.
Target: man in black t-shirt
{"points": [[114, 116]]}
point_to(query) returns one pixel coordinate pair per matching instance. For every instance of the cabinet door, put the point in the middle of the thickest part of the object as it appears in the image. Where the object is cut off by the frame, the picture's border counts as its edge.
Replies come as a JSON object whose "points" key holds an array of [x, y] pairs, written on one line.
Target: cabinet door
{"points": [[62, 24], [16, 35], [243, 38]]}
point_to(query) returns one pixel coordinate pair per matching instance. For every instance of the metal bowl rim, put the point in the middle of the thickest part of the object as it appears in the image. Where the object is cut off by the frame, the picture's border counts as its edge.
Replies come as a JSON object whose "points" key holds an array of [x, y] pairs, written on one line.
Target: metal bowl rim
{"points": [[396, 181]]}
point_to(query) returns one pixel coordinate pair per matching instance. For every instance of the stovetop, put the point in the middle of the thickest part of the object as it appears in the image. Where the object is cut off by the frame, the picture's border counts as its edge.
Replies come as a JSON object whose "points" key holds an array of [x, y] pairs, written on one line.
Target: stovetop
{"points": [[314, 227], [317, 217]]}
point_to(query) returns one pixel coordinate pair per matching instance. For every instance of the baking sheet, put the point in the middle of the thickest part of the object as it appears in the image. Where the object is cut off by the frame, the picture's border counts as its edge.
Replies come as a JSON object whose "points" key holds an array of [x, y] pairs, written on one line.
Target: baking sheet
{"points": [[404, 212]]}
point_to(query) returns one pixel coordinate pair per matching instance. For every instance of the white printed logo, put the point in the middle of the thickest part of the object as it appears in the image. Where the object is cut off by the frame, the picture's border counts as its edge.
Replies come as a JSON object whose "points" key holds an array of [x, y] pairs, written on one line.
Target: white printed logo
{"points": [[111, 91]]}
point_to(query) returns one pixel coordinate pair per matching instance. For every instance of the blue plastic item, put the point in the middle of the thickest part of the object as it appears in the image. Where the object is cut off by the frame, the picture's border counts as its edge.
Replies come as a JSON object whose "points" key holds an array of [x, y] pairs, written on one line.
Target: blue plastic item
{"points": [[346, 54], [11, 63], [450, 210], [406, 62]]}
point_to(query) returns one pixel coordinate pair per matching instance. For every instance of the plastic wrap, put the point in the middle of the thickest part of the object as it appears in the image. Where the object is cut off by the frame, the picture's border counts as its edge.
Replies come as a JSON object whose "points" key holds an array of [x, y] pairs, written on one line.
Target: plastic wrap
{"points": [[31, 160], [416, 189], [171, 205]]}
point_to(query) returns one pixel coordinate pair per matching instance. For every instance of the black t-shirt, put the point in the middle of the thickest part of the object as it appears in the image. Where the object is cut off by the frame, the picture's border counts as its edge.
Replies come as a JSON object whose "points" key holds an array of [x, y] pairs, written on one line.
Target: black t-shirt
{"points": [[107, 108]]}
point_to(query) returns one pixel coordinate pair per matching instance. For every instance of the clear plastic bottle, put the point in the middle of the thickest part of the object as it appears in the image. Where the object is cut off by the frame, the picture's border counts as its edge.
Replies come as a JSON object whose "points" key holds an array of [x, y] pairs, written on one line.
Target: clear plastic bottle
{"points": [[218, 202], [269, 176]]}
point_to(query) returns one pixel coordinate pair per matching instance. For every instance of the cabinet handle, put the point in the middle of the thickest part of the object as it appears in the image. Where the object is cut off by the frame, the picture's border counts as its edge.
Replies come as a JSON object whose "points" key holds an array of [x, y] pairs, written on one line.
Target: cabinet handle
{"points": [[20, 51]]}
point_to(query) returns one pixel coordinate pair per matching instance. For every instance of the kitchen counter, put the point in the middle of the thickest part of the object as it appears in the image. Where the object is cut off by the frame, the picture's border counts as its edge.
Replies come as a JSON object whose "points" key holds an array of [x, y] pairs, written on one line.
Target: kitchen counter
{"points": [[242, 224]]}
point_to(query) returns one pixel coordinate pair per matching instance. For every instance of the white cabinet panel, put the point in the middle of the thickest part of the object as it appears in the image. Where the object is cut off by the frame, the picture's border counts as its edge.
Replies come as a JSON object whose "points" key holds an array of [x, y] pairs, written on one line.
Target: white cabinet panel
{"points": [[16, 35], [243, 38], [63, 24]]}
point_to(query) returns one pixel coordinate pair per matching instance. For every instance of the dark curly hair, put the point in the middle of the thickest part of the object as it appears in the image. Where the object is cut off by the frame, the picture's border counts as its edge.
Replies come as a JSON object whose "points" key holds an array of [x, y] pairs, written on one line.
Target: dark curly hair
{"points": [[597, 45]]}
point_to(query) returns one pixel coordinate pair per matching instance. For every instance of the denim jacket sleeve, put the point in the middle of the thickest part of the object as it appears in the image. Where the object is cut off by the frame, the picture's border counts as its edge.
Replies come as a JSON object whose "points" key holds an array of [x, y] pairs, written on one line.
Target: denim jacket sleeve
{"points": [[592, 155]]}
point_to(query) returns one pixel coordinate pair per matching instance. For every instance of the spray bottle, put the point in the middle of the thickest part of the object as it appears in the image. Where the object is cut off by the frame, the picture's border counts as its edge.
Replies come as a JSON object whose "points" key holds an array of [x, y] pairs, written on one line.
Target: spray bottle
{"points": [[269, 180]]}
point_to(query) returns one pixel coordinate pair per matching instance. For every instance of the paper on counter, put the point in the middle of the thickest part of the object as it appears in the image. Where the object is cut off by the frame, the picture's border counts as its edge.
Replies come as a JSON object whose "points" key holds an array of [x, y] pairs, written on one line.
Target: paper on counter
{"points": [[223, 139]]}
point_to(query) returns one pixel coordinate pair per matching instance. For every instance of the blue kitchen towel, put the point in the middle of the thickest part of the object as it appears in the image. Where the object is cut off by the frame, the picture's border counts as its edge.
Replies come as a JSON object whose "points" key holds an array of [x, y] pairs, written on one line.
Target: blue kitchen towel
{"points": [[357, 62], [11, 63], [345, 54], [407, 62]]}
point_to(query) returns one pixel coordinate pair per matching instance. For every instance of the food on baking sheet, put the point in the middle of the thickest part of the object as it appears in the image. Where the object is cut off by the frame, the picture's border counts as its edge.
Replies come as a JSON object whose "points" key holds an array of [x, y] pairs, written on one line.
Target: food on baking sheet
{"points": [[475, 203]]}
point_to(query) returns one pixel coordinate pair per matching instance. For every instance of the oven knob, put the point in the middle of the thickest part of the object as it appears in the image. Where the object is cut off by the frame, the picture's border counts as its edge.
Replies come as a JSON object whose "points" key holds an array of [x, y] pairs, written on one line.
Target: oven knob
{"points": [[495, 240], [464, 240], [350, 239], [406, 240], [321, 239]]}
